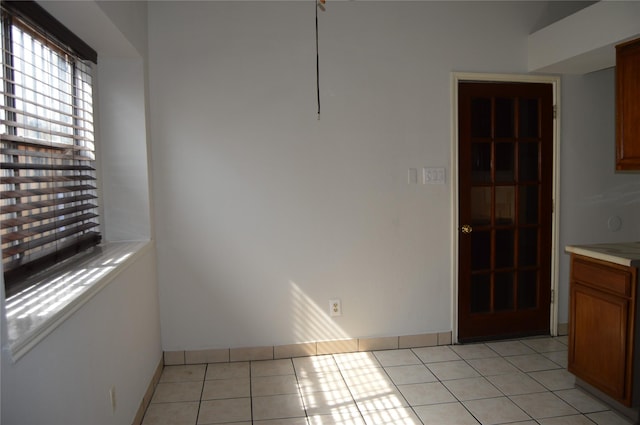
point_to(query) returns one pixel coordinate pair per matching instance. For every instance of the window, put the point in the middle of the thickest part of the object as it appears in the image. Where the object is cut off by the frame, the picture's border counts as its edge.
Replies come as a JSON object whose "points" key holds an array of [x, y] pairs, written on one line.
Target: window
{"points": [[48, 196]]}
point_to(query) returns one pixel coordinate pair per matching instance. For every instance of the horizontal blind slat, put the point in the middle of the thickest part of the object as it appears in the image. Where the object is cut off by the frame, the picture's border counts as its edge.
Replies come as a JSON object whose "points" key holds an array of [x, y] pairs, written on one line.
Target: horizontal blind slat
{"points": [[49, 215], [23, 247], [44, 228], [65, 86], [45, 167], [44, 179], [48, 132], [7, 194], [78, 113], [12, 96], [46, 152], [46, 256], [26, 206], [25, 141]]}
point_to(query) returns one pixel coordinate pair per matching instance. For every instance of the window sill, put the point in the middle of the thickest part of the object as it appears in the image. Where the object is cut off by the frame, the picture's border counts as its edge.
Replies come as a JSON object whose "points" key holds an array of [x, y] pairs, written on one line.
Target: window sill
{"points": [[35, 312]]}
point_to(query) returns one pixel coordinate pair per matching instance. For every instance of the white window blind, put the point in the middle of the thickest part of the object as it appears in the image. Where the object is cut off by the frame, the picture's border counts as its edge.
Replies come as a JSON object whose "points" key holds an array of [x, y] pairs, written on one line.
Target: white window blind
{"points": [[48, 205]]}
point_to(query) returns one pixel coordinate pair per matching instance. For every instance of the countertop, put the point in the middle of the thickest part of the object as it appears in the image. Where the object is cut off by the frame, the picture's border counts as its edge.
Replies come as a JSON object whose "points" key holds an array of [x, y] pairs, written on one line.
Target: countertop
{"points": [[625, 253]]}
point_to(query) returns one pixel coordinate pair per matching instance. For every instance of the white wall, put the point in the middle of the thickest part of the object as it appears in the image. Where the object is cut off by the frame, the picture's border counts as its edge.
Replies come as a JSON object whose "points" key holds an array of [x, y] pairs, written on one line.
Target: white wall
{"points": [[591, 191], [113, 340], [123, 149], [263, 212], [130, 17]]}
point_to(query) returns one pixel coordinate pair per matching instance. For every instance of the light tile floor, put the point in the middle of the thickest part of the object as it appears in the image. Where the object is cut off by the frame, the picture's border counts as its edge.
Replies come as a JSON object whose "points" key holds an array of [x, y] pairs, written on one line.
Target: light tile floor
{"points": [[507, 382]]}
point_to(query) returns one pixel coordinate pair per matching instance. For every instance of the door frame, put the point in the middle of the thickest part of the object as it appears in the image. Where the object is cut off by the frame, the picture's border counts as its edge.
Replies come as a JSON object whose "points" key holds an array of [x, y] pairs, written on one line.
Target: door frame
{"points": [[456, 78]]}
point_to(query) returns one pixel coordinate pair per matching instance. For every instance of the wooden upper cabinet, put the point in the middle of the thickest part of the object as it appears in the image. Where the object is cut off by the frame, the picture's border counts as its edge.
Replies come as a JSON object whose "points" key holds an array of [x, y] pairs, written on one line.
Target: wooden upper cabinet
{"points": [[628, 106]]}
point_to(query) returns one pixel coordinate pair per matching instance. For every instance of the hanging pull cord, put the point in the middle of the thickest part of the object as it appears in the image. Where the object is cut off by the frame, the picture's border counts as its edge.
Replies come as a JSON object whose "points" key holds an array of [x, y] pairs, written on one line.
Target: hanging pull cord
{"points": [[319, 4]]}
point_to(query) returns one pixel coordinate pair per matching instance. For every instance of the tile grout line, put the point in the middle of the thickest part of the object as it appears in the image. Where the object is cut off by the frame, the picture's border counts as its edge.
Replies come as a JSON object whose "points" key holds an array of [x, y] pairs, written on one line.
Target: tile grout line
{"points": [[466, 361], [490, 383], [251, 390], [450, 392], [204, 379], [348, 388], [396, 385], [546, 389], [304, 404]]}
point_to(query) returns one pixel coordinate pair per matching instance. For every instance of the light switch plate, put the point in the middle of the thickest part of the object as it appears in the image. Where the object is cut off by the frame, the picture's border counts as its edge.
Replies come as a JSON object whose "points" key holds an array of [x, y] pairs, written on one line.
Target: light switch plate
{"points": [[433, 175], [412, 177]]}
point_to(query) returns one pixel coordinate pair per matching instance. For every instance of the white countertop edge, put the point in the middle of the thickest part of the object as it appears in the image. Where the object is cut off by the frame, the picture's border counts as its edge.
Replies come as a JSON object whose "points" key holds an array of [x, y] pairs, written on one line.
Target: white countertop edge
{"points": [[595, 251]]}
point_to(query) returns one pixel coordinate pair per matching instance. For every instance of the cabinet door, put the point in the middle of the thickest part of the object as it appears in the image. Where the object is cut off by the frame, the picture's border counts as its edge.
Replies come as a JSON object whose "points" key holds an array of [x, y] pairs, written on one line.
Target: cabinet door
{"points": [[599, 340], [628, 106]]}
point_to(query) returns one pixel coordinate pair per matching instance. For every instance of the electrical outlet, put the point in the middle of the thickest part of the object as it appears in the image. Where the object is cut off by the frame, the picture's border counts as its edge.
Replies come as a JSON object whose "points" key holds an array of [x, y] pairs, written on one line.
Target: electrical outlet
{"points": [[335, 307], [112, 397]]}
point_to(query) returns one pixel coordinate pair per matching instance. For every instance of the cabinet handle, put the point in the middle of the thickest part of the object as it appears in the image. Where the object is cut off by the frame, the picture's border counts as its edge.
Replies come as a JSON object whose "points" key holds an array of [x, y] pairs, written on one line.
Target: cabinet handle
{"points": [[466, 228]]}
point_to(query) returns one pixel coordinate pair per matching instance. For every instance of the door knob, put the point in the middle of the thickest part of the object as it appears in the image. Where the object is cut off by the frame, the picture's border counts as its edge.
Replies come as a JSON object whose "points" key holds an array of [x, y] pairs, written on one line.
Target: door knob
{"points": [[466, 228]]}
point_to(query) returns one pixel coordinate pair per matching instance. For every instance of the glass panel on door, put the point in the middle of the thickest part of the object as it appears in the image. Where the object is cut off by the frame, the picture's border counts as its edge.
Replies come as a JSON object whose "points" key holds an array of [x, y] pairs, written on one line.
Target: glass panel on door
{"points": [[529, 122], [528, 162], [505, 208], [480, 117], [480, 250], [481, 293], [503, 293], [527, 289], [505, 242], [505, 114], [481, 162], [505, 162], [528, 204], [481, 205], [528, 246]]}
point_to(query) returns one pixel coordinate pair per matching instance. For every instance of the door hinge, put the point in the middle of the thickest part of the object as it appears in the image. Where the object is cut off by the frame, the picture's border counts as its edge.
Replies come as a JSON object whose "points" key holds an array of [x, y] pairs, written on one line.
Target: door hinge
{"points": [[555, 112], [553, 293]]}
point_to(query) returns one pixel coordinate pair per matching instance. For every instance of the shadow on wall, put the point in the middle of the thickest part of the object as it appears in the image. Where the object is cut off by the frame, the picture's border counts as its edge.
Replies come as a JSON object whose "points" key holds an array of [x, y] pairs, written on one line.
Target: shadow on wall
{"points": [[343, 385], [310, 322], [624, 194]]}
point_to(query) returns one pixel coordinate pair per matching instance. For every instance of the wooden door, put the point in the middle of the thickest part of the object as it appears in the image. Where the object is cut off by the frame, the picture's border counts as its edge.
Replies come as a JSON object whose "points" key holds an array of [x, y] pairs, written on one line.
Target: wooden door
{"points": [[505, 209]]}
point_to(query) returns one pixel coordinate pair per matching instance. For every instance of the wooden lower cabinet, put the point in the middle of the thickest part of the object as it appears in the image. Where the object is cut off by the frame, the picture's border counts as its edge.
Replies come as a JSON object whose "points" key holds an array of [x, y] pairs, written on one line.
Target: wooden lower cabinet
{"points": [[602, 314]]}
